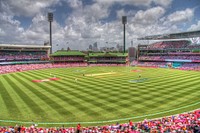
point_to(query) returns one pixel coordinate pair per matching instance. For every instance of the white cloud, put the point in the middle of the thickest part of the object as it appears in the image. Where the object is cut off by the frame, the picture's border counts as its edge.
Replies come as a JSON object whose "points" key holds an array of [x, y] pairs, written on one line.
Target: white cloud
{"points": [[2, 33], [96, 11], [91, 32], [75, 3], [194, 26], [10, 28], [181, 16], [26, 7], [85, 24], [5, 18], [120, 13], [71, 33], [38, 31], [146, 3], [149, 16], [164, 3], [126, 2]]}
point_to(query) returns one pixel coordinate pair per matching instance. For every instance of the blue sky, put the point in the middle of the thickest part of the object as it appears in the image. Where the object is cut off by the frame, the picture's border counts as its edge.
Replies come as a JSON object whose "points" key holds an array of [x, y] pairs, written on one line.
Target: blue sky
{"points": [[79, 23]]}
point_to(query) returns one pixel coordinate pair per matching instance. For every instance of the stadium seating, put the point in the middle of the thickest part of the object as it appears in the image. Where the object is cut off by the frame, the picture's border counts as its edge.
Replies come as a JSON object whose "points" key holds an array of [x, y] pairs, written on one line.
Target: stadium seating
{"points": [[162, 58], [16, 56], [180, 54], [151, 64], [184, 66], [169, 45], [107, 64], [26, 67]]}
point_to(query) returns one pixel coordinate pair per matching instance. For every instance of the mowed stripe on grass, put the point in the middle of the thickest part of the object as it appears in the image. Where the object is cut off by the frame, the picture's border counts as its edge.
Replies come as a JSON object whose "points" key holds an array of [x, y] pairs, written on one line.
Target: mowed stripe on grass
{"points": [[77, 98]]}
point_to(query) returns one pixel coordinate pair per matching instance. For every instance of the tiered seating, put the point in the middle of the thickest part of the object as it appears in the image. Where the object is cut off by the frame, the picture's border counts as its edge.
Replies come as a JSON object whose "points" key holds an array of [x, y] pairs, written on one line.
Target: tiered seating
{"points": [[16, 56], [176, 53], [108, 59], [181, 57], [190, 66], [152, 64], [194, 47], [185, 66], [169, 44], [182, 123]]}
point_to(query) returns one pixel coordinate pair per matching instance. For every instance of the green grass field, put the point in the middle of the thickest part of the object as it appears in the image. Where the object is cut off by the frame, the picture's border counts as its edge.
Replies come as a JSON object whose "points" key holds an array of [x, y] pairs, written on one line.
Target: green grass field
{"points": [[101, 96]]}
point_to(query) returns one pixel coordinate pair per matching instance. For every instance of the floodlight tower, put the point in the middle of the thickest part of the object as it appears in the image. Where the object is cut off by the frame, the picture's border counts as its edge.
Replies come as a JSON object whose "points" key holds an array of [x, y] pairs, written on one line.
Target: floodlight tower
{"points": [[124, 22], [50, 19]]}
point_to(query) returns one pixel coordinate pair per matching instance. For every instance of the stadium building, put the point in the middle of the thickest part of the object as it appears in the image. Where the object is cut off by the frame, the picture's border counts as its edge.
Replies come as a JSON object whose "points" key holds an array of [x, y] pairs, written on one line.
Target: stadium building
{"points": [[182, 54], [69, 58], [170, 53]]}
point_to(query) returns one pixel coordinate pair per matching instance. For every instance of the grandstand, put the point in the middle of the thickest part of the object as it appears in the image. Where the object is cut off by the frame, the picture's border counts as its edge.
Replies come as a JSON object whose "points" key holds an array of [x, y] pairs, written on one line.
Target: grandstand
{"points": [[11, 54], [177, 54]]}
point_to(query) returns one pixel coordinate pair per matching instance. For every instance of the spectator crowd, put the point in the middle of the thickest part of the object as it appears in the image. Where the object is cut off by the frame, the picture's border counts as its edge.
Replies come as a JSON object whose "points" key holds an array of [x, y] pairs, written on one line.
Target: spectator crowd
{"points": [[184, 44], [18, 56], [184, 66], [25, 67], [163, 58]]}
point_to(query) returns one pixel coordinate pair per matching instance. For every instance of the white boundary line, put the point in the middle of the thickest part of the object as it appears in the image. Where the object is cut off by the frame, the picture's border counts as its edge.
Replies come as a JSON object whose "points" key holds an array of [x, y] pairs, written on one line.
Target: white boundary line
{"points": [[108, 121]]}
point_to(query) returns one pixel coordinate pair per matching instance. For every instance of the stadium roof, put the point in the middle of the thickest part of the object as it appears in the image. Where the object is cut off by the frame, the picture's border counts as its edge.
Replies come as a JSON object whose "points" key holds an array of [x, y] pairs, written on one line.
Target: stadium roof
{"points": [[68, 53], [181, 35], [23, 46], [107, 54]]}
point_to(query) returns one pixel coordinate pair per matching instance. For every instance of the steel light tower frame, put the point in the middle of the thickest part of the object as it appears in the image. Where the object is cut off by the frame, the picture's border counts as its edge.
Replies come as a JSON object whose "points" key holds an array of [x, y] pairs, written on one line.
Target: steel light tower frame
{"points": [[50, 19], [124, 22]]}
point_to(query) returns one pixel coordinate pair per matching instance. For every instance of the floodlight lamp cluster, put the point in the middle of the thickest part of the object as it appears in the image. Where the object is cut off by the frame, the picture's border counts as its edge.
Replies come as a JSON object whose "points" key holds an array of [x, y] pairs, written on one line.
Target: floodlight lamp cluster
{"points": [[50, 16], [124, 20]]}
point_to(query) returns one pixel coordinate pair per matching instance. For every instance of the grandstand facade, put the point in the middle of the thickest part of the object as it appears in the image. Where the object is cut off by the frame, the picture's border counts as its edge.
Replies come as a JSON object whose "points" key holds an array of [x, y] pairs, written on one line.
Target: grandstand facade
{"points": [[69, 58], [112, 59], [78, 58]]}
